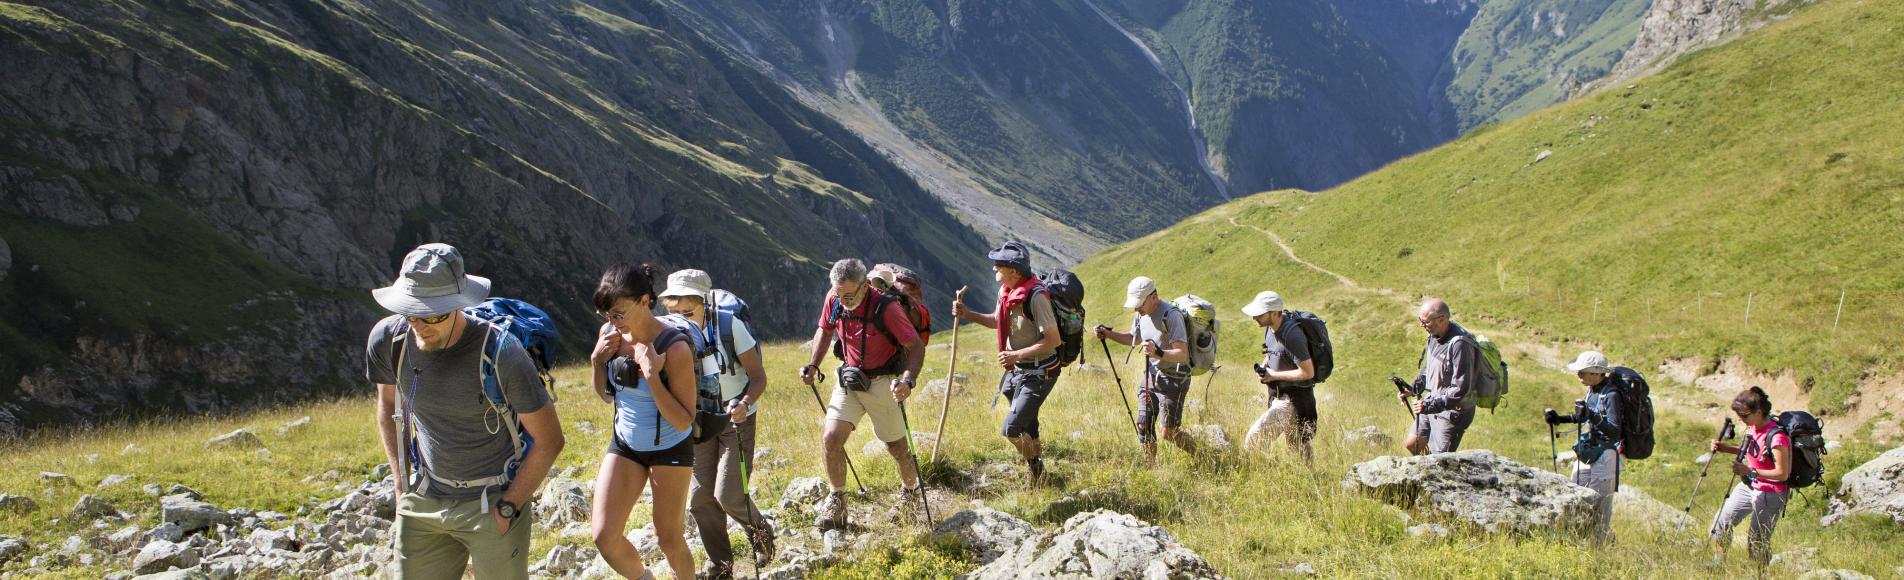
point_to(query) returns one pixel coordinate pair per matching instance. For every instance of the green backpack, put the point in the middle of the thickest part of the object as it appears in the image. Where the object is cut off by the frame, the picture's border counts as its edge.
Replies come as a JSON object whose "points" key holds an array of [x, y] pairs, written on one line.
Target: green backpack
{"points": [[1491, 386]]}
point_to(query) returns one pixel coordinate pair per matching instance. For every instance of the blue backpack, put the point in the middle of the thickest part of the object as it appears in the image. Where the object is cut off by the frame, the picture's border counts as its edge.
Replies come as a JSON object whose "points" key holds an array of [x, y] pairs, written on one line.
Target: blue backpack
{"points": [[512, 322], [727, 308]]}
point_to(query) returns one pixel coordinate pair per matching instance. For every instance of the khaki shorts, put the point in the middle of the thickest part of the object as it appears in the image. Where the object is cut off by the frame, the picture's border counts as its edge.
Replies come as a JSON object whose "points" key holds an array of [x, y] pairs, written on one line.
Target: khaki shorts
{"points": [[876, 401], [436, 538]]}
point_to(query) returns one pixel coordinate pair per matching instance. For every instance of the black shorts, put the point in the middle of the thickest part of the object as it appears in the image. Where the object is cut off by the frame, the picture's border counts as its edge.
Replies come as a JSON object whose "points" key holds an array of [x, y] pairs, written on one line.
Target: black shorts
{"points": [[1304, 401], [1027, 391], [680, 455]]}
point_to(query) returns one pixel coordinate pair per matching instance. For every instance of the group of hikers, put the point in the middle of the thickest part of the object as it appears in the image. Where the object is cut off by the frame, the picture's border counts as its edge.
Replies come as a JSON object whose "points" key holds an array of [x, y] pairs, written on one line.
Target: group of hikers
{"points": [[469, 449]]}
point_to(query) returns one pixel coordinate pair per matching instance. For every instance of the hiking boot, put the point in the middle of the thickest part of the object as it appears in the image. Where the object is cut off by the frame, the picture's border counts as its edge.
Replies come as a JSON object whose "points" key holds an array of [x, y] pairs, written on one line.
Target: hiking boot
{"points": [[1037, 467], [762, 540], [908, 500], [832, 511]]}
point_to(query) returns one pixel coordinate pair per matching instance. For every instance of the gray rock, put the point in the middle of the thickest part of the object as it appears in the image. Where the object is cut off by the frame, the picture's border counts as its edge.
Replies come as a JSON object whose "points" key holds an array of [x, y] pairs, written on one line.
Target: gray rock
{"points": [[1798, 560], [190, 514], [58, 479], [1425, 530], [1370, 436], [180, 488], [273, 540], [802, 493], [113, 480], [833, 542], [168, 532], [237, 439], [152, 489], [160, 555], [17, 504], [11, 548], [1299, 569], [561, 560], [1877, 487], [1493, 492], [564, 501], [1210, 438], [1099, 544], [123, 539], [294, 426], [1634, 503], [382, 470], [986, 532], [90, 507]]}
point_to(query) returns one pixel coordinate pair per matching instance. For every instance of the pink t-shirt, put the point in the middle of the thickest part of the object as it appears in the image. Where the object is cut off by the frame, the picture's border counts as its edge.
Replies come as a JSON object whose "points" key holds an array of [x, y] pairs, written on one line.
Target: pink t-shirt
{"points": [[1760, 455]]}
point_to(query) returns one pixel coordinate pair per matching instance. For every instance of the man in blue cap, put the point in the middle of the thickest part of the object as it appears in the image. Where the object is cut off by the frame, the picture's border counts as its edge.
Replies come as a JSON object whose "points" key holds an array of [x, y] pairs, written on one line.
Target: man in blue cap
{"points": [[1028, 341]]}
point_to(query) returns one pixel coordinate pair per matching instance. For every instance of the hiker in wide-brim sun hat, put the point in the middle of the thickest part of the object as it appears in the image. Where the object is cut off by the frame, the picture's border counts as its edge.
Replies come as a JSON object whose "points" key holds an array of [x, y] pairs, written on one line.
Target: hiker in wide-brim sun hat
{"points": [[686, 283], [432, 282]]}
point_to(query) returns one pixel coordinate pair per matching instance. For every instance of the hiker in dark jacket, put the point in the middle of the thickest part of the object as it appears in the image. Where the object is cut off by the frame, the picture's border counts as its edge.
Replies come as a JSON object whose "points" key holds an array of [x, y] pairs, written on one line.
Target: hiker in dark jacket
{"points": [[457, 505], [1449, 366], [1028, 342], [1597, 460]]}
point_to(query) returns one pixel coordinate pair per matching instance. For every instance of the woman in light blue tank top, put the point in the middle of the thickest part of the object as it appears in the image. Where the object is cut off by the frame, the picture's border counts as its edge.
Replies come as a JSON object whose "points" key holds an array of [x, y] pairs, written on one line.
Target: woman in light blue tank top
{"points": [[645, 368]]}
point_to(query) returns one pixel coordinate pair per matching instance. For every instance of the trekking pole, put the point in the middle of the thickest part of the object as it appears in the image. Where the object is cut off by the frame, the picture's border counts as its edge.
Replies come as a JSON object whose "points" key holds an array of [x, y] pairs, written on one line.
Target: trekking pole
{"points": [[747, 491], [921, 474], [843, 453], [1553, 452], [1203, 410], [1120, 386], [1402, 388], [938, 437], [1725, 433]]}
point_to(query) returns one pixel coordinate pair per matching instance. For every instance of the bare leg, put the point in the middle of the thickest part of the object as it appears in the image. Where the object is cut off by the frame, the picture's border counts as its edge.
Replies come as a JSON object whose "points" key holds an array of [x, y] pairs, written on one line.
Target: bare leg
{"points": [[670, 517], [617, 489], [833, 445], [903, 456]]}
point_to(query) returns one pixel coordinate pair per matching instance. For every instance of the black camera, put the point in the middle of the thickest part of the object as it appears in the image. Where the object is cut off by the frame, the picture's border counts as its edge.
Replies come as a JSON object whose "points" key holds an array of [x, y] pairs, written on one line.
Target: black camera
{"points": [[1260, 369]]}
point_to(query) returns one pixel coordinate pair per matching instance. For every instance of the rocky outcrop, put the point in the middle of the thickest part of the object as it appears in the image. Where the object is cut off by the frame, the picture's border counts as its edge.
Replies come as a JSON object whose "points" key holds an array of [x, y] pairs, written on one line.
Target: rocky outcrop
{"points": [[1493, 492], [988, 533], [240, 177], [1877, 487], [1672, 28], [1099, 544], [1632, 502]]}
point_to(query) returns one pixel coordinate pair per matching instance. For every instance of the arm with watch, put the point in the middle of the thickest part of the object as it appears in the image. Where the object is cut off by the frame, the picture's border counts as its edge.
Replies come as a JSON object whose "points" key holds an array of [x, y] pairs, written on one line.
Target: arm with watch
{"points": [[546, 428]]}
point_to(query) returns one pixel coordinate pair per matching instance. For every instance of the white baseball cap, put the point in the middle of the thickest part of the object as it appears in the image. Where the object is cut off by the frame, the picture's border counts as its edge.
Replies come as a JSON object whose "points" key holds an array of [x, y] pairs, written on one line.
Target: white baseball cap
{"points": [[1266, 301], [1140, 289], [1589, 362]]}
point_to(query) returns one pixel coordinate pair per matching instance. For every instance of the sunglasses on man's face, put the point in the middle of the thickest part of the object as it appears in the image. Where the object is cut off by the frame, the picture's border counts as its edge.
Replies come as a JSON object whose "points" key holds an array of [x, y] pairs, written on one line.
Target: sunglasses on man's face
{"points": [[431, 320]]}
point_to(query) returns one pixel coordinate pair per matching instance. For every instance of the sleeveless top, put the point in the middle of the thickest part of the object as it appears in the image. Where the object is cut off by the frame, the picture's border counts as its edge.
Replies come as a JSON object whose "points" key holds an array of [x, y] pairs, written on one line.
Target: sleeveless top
{"points": [[638, 423]]}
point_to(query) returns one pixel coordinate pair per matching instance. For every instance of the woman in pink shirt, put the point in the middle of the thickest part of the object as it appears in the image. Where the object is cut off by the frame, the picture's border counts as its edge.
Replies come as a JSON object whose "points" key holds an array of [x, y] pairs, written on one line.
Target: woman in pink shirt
{"points": [[1765, 460]]}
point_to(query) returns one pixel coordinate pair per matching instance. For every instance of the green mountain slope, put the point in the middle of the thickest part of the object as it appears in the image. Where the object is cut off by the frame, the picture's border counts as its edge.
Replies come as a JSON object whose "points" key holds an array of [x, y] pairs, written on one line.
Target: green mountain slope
{"points": [[1517, 57], [199, 193]]}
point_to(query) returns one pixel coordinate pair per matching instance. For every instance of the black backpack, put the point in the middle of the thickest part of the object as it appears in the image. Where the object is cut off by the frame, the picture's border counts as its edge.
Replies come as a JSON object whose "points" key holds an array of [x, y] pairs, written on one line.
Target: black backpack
{"points": [[1636, 410], [1808, 447], [1321, 351], [1067, 302]]}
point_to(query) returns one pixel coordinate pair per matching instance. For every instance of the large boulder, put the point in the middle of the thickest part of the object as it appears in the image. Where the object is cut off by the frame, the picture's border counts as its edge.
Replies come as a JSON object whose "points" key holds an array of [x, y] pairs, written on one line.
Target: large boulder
{"points": [[1211, 438], [987, 532], [90, 507], [1099, 544], [1877, 487], [191, 514], [1493, 492]]}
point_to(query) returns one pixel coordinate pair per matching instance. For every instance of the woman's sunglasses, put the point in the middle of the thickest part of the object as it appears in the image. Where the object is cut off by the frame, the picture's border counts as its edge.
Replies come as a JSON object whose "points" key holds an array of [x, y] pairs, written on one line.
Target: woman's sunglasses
{"points": [[614, 316]]}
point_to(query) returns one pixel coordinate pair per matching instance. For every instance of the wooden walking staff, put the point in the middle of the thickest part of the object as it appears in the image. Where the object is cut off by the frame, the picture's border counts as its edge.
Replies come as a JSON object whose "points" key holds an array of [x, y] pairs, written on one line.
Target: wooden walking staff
{"points": [[938, 437]]}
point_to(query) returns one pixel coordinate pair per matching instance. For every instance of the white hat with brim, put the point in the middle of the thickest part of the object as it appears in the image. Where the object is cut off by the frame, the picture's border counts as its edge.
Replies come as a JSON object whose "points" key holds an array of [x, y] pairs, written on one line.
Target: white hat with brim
{"points": [[1589, 362], [688, 283], [1265, 302], [432, 283], [1139, 290]]}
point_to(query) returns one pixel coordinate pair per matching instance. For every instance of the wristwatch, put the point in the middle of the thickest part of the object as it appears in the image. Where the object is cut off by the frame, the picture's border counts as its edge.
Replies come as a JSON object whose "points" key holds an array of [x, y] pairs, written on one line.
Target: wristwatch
{"points": [[506, 509], [905, 379]]}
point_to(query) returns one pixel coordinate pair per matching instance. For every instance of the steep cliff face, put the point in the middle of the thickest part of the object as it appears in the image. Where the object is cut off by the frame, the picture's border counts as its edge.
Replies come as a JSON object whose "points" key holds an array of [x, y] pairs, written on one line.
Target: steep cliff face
{"points": [[1671, 28], [196, 195]]}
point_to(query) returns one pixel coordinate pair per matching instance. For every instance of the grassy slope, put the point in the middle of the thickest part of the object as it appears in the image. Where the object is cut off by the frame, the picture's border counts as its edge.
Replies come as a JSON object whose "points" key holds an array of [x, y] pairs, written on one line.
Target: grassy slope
{"points": [[1251, 516]]}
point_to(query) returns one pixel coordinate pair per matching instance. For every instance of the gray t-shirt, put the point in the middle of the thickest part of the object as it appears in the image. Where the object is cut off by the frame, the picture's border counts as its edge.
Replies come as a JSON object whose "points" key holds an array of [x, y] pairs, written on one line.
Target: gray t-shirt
{"points": [[1165, 326], [1028, 322], [445, 393], [1284, 349]]}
